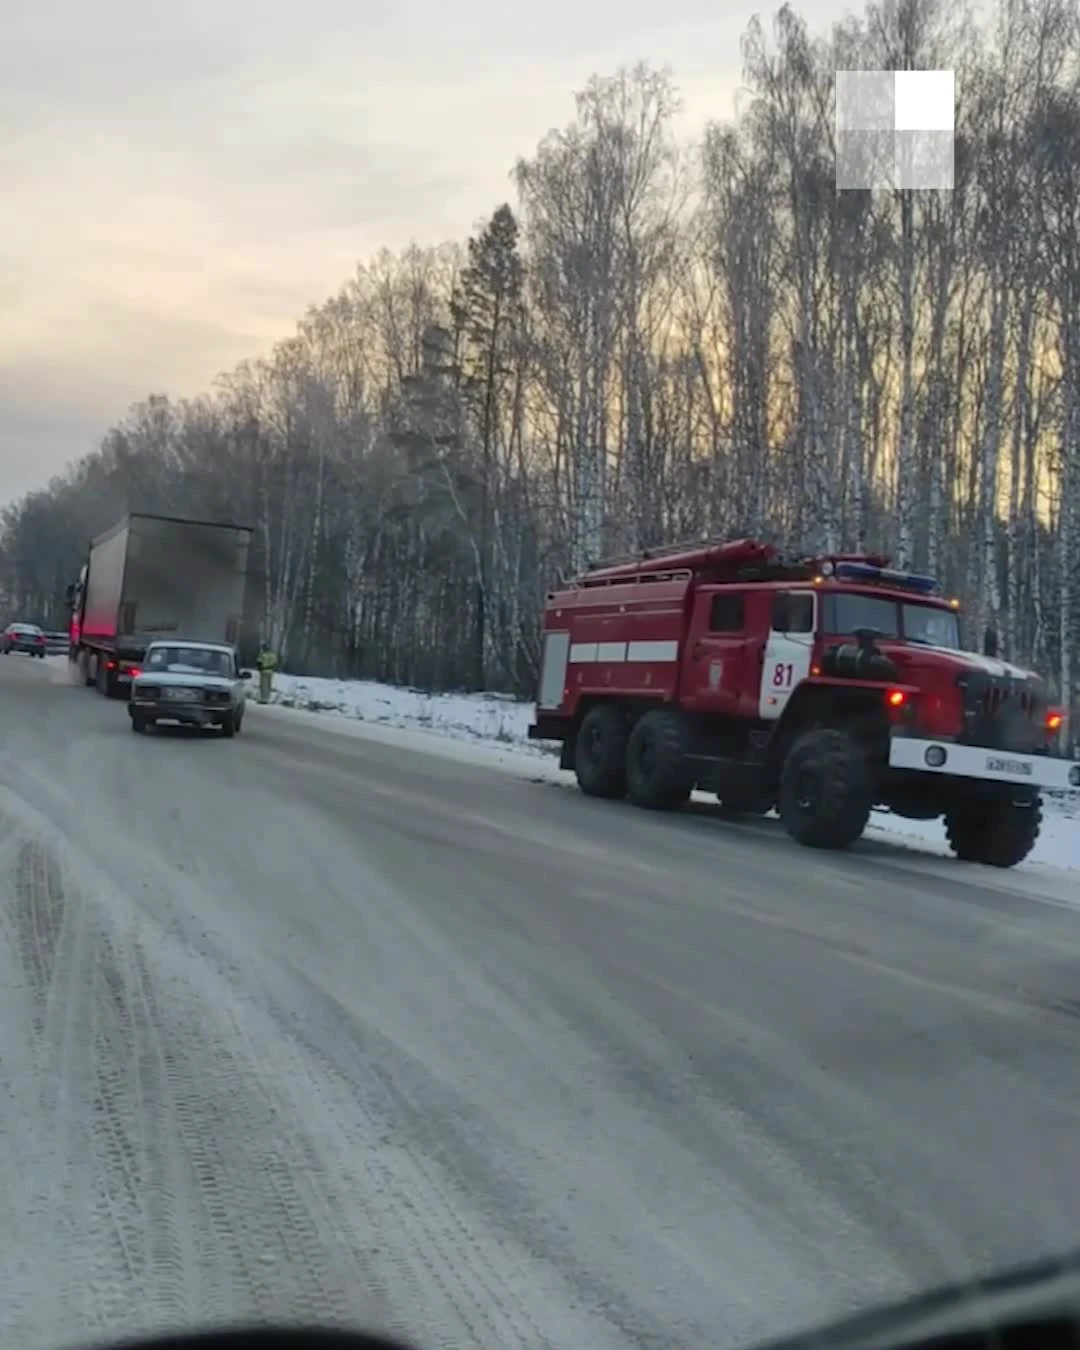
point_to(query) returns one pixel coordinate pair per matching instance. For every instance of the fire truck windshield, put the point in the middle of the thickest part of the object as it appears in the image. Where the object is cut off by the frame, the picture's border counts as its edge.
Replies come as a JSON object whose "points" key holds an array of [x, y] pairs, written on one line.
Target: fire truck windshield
{"points": [[843, 614]]}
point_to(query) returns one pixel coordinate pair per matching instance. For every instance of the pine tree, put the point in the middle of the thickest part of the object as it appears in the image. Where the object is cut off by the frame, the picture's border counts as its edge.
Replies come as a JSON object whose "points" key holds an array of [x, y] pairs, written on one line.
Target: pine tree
{"points": [[487, 312]]}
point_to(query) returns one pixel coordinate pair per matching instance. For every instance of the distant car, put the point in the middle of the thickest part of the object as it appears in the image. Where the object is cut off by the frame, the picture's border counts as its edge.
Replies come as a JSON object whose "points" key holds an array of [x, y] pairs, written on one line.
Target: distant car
{"points": [[197, 684], [23, 637]]}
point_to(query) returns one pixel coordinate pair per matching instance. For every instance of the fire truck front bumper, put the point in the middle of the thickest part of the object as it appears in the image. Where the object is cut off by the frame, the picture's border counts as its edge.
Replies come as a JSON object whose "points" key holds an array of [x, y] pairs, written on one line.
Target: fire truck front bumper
{"points": [[1047, 772]]}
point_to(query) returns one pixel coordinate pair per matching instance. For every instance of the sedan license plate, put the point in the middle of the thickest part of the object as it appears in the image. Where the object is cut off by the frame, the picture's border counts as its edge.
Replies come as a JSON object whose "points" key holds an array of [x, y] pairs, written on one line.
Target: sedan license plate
{"points": [[180, 695]]}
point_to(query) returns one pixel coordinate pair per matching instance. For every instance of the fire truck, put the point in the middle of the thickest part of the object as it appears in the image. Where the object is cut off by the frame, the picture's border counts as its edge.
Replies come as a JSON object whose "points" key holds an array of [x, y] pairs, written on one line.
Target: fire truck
{"points": [[821, 688]]}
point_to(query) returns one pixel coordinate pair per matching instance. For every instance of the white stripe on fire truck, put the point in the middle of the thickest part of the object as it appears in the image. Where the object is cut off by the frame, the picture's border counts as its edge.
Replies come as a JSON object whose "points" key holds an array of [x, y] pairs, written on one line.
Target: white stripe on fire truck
{"points": [[592, 653]]}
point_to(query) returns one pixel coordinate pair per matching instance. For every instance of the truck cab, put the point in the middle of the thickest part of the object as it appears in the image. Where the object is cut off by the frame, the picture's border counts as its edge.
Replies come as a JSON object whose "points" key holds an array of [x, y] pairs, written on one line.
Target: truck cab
{"points": [[748, 649]]}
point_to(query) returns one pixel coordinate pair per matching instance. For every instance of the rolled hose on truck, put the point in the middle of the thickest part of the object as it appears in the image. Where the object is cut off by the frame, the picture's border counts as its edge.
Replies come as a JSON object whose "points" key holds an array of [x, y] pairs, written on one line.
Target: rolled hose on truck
{"points": [[855, 661]]}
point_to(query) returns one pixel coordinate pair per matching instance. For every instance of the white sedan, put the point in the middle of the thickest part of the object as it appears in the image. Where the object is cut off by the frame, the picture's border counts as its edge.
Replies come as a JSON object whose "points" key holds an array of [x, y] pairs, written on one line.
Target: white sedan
{"points": [[196, 684]]}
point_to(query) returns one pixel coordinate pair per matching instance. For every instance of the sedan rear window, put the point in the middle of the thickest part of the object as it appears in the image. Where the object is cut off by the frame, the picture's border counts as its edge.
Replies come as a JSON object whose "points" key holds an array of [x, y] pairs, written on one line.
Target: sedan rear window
{"points": [[190, 661]]}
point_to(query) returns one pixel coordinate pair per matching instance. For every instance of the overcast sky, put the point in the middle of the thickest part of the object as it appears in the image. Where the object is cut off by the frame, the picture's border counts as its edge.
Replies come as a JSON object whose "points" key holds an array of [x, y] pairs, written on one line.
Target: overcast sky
{"points": [[181, 178]]}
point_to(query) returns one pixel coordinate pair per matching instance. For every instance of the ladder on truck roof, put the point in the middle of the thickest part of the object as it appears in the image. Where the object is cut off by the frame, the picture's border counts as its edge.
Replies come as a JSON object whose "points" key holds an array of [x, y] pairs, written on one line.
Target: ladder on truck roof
{"points": [[630, 565], [677, 561], [651, 554], [745, 559]]}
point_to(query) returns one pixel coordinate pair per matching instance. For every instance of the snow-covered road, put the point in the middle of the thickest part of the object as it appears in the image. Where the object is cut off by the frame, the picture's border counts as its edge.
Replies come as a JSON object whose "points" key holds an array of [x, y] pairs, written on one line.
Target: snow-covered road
{"points": [[332, 1027]]}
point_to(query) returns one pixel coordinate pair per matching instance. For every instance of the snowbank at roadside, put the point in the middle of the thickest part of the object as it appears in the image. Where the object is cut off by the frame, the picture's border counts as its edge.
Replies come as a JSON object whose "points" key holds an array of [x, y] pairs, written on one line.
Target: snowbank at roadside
{"points": [[497, 723], [466, 717]]}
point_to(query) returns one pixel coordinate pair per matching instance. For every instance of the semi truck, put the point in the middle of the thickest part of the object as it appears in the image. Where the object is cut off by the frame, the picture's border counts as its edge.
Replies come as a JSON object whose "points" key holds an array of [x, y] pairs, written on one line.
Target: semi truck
{"points": [[152, 577], [818, 687]]}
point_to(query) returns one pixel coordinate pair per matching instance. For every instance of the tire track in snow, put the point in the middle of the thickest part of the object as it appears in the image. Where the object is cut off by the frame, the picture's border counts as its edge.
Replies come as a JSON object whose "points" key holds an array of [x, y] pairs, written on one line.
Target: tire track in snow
{"points": [[39, 917], [475, 1285], [140, 1135], [265, 1216], [156, 1069], [23, 1199], [175, 1169], [52, 1143], [441, 1254], [86, 1047]]}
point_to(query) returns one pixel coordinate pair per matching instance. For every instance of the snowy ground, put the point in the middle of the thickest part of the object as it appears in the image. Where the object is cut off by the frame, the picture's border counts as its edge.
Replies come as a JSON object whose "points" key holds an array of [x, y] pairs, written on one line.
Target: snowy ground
{"points": [[493, 728]]}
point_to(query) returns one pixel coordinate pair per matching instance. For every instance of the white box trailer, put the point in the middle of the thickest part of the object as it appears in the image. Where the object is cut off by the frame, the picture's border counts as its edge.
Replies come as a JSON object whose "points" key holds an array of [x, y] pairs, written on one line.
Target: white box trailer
{"points": [[154, 576]]}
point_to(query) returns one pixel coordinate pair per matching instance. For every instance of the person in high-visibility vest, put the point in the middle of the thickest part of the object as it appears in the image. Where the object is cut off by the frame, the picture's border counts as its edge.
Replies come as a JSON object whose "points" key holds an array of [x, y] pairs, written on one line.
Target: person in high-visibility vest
{"points": [[267, 665]]}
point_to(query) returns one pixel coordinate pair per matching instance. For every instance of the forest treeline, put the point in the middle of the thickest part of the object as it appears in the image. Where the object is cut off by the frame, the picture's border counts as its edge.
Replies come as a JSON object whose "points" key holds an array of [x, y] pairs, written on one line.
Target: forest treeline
{"points": [[657, 341]]}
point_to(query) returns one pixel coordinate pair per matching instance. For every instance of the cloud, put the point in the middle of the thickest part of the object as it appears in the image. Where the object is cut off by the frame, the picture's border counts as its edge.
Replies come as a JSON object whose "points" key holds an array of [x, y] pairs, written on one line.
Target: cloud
{"points": [[183, 180]]}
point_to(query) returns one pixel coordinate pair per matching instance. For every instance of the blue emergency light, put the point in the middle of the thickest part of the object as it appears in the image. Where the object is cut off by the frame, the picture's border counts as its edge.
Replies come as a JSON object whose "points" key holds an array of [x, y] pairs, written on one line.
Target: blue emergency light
{"points": [[885, 576]]}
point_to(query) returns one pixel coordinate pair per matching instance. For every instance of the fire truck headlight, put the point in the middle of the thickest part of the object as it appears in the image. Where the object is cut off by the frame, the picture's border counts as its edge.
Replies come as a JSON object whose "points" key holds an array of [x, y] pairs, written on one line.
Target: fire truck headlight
{"points": [[1074, 776], [935, 756]]}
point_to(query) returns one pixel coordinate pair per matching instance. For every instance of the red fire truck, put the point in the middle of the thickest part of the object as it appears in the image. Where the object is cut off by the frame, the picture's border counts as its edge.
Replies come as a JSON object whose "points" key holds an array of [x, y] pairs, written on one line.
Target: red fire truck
{"points": [[819, 687]]}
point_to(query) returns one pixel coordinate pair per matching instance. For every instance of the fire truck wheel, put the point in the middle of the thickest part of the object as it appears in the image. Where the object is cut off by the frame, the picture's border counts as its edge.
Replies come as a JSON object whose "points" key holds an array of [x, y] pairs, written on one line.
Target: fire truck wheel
{"points": [[657, 770], [999, 834], [825, 796], [600, 752]]}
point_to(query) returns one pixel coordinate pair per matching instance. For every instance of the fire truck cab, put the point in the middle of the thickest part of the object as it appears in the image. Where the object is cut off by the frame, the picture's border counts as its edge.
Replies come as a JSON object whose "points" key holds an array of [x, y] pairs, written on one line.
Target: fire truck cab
{"points": [[819, 687]]}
